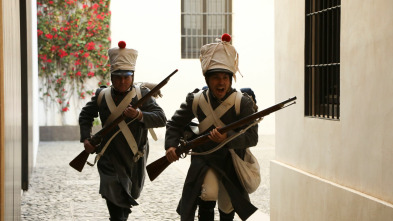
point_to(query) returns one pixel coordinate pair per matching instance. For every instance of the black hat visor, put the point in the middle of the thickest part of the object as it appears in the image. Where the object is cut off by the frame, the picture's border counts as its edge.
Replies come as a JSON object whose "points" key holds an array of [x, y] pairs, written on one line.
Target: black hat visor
{"points": [[123, 73]]}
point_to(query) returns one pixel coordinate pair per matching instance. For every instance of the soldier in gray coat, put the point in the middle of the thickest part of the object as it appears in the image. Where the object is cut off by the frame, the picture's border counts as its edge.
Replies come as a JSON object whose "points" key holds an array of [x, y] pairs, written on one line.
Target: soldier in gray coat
{"points": [[212, 177], [123, 152]]}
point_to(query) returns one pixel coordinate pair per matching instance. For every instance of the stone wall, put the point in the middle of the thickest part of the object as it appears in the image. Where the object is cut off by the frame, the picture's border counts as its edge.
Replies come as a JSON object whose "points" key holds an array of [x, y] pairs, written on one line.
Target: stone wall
{"points": [[62, 133]]}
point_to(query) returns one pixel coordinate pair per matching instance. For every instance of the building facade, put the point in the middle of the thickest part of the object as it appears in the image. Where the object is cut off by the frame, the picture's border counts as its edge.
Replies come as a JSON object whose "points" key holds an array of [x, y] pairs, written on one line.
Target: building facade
{"points": [[333, 168], [155, 29], [151, 27], [18, 103]]}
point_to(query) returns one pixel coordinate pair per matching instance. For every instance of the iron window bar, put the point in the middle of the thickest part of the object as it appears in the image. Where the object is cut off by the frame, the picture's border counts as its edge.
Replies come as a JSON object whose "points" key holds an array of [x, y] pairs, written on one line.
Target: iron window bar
{"points": [[322, 59], [202, 21]]}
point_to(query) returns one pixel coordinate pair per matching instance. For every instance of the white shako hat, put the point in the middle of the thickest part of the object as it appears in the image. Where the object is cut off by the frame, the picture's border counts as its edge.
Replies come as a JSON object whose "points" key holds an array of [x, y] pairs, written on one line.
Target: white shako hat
{"points": [[220, 57], [122, 60]]}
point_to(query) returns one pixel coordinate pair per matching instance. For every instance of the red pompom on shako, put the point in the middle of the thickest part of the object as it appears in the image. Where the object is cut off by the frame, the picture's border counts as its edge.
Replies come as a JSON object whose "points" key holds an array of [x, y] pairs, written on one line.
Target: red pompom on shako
{"points": [[226, 37], [122, 44]]}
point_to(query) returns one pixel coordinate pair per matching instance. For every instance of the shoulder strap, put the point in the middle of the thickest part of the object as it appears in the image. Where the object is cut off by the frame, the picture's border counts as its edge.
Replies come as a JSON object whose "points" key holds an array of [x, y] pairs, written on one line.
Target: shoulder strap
{"points": [[238, 99], [117, 110], [138, 91], [195, 102], [139, 96], [137, 88], [101, 94], [197, 96], [213, 117]]}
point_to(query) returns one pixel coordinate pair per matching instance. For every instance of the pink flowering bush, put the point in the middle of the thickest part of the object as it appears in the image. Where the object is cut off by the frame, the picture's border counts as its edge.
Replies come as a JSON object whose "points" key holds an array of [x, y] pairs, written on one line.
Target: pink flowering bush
{"points": [[73, 39]]}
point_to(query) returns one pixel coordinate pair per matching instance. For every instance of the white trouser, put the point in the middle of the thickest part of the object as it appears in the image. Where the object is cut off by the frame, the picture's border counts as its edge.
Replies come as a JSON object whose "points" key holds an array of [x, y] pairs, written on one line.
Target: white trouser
{"points": [[214, 190]]}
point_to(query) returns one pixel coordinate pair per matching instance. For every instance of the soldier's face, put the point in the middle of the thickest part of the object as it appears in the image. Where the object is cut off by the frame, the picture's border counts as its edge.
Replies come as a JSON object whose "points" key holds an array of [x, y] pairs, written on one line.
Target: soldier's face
{"points": [[122, 83], [219, 84]]}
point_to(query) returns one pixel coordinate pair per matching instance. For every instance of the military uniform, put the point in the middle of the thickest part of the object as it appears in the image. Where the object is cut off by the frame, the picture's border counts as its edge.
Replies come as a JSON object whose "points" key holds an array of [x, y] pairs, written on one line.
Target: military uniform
{"points": [[121, 178], [212, 177], [122, 174], [219, 160]]}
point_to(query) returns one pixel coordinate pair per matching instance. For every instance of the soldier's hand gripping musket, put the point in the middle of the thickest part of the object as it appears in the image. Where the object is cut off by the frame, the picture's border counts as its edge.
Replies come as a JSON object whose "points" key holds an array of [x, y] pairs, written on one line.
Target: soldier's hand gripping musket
{"points": [[79, 161], [155, 168]]}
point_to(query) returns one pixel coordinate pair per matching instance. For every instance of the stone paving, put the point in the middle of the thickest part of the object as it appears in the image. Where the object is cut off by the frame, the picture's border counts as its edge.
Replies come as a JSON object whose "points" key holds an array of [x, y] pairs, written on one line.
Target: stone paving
{"points": [[58, 192]]}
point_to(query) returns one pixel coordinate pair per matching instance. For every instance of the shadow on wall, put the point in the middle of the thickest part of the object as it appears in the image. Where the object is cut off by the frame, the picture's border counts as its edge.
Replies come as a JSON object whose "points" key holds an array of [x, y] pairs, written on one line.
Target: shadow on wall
{"points": [[62, 133]]}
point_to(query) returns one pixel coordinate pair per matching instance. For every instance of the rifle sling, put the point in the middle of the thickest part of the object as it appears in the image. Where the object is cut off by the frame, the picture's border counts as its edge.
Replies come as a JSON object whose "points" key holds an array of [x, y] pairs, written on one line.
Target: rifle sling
{"points": [[223, 143]]}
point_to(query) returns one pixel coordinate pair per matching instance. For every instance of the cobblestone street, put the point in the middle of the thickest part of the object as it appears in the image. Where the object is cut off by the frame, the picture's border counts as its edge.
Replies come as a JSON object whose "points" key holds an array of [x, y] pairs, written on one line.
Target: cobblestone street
{"points": [[58, 192]]}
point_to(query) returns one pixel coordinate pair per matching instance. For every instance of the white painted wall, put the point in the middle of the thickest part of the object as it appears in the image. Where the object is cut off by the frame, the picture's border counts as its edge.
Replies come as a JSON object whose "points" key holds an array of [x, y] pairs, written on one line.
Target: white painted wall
{"points": [[336, 170], [253, 30], [31, 9], [153, 28], [11, 136]]}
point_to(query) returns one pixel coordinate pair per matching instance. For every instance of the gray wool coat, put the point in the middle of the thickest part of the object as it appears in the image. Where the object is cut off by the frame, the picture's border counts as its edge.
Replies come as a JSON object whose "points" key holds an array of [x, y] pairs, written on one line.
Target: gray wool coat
{"points": [[219, 160], [121, 179]]}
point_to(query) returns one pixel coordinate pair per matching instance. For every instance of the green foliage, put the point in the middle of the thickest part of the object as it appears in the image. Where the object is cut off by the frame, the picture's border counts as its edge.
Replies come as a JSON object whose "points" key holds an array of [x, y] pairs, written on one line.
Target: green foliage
{"points": [[96, 121], [73, 39]]}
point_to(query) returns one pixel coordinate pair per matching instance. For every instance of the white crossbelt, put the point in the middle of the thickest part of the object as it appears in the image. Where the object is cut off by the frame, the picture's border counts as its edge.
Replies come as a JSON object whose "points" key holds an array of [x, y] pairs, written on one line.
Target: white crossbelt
{"points": [[116, 111], [213, 116]]}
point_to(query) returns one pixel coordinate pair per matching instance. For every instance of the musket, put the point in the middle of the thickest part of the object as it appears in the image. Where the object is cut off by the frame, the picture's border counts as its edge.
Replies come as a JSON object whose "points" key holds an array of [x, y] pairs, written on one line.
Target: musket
{"points": [[79, 161], [155, 168]]}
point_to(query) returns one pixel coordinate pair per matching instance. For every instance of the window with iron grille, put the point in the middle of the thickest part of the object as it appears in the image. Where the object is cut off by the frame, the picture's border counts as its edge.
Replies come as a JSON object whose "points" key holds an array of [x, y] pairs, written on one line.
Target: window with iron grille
{"points": [[202, 21], [322, 59]]}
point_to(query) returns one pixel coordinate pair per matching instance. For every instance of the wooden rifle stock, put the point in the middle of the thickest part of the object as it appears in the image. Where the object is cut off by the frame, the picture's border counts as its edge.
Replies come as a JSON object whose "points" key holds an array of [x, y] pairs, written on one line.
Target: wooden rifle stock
{"points": [[155, 168], [79, 161]]}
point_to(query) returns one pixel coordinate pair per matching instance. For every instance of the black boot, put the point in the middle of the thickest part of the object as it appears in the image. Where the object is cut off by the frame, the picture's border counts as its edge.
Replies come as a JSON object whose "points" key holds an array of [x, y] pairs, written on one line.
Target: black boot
{"points": [[206, 210], [117, 213], [225, 216]]}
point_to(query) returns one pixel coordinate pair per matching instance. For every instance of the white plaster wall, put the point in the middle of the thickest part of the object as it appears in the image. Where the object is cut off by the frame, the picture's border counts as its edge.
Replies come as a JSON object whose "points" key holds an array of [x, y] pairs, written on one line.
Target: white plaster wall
{"points": [[367, 95], [253, 30], [31, 10], [319, 199], [354, 152], [11, 117], [153, 28]]}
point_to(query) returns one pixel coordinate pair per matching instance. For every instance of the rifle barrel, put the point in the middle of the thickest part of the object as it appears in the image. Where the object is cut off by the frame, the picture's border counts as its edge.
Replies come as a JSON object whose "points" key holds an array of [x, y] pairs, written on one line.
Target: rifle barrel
{"points": [[246, 120], [79, 161], [155, 168], [138, 104]]}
